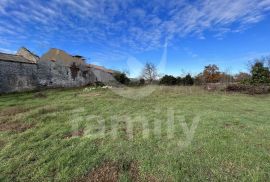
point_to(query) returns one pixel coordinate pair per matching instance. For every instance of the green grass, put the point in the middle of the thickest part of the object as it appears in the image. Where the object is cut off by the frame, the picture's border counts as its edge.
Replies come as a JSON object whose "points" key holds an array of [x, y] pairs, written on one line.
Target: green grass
{"points": [[231, 141]]}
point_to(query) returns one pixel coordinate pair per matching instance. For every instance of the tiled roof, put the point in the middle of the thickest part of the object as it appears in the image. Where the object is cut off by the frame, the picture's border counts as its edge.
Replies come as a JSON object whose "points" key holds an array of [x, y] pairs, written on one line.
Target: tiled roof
{"points": [[101, 68], [13, 58], [58, 55]]}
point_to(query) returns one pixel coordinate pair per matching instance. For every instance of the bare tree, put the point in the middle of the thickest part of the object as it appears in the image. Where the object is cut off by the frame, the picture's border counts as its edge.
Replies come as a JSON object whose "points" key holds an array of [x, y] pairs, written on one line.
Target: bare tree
{"points": [[149, 72]]}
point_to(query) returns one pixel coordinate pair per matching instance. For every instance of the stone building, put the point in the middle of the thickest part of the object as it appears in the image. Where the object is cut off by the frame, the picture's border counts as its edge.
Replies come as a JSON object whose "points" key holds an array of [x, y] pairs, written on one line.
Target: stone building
{"points": [[27, 55], [17, 73], [56, 68]]}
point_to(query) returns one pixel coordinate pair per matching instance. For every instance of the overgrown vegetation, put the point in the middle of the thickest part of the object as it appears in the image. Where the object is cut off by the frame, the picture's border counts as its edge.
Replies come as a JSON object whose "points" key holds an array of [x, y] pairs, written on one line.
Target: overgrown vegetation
{"points": [[230, 143], [122, 78], [212, 78]]}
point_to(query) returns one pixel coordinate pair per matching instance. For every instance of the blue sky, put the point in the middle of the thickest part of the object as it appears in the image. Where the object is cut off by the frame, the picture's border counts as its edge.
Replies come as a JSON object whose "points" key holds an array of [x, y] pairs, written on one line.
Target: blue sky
{"points": [[124, 34]]}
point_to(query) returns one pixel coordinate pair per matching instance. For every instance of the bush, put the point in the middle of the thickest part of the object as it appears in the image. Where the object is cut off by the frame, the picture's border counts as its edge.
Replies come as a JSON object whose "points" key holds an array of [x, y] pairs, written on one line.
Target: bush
{"points": [[188, 80], [260, 73], [99, 84], [142, 81], [121, 78], [171, 80], [168, 80], [179, 81], [250, 89], [242, 77]]}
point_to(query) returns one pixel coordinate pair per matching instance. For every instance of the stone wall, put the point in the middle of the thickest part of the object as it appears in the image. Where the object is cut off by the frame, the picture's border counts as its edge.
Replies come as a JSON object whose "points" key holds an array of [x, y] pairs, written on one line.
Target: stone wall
{"points": [[102, 76], [17, 76], [56, 74]]}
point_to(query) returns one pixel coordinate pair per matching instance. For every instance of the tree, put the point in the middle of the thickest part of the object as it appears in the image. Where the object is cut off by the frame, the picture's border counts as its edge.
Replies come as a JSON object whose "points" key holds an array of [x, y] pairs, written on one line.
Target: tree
{"points": [[168, 80], [199, 79], [259, 73], [242, 77], [142, 81], [226, 78], [188, 80], [121, 77], [211, 74], [149, 72], [179, 81]]}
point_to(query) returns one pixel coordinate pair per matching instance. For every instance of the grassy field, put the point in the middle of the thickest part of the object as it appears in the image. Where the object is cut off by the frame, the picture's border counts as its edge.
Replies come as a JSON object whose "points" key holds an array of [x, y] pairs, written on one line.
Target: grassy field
{"points": [[230, 138]]}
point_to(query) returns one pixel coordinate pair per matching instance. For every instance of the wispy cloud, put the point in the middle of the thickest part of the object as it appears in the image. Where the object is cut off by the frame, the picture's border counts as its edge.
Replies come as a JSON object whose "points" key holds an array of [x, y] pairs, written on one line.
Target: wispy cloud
{"points": [[8, 51], [118, 23]]}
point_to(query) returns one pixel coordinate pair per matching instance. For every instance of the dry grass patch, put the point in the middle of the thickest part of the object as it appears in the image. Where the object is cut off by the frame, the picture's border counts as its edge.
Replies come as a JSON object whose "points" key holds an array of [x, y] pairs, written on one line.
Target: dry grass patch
{"points": [[109, 171], [40, 95], [15, 127], [2, 144], [11, 111], [48, 109], [77, 133]]}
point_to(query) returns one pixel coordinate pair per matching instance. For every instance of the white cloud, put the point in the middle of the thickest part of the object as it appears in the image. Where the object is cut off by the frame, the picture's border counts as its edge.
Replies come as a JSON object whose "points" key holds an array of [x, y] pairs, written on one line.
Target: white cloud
{"points": [[8, 51], [125, 24]]}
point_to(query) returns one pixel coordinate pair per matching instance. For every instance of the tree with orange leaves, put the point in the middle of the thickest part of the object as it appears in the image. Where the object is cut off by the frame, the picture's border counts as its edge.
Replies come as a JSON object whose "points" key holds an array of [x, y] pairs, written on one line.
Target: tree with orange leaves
{"points": [[211, 74]]}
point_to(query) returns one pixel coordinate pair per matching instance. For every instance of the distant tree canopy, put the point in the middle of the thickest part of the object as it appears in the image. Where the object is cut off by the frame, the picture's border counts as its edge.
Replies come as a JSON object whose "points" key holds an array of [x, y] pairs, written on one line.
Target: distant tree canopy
{"points": [[242, 77], [211, 74], [171, 80], [168, 80], [260, 73], [142, 81], [188, 80], [149, 72], [121, 77]]}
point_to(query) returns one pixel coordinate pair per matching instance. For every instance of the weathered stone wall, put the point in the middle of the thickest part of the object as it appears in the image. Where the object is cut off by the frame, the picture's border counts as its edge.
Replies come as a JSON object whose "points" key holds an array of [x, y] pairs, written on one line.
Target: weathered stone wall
{"points": [[17, 76], [102, 76], [56, 74]]}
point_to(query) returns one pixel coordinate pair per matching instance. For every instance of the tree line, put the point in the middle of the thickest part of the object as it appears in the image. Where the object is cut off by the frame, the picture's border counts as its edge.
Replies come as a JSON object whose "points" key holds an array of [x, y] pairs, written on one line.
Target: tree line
{"points": [[259, 73]]}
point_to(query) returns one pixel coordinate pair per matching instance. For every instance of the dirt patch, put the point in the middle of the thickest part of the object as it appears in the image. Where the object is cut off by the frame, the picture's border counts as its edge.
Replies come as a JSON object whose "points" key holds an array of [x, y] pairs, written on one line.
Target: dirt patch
{"points": [[11, 111], [134, 172], [152, 178], [2, 144], [40, 95], [109, 171], [226, 125], [77, 133], [16, 127], [46, 110], [230, 168]]}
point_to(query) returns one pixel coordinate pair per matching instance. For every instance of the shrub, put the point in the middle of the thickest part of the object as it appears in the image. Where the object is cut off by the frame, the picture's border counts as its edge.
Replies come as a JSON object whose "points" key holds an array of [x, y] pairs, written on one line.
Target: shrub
{"points": [[179, 81], [260, 73], [121, 78], [199, 79], [242, 77], [99, 84], [188, 80], [168, 80], [142, 81], [250, 89]]}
